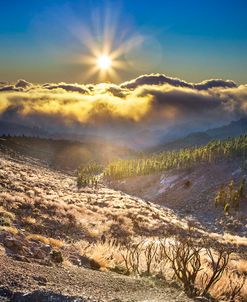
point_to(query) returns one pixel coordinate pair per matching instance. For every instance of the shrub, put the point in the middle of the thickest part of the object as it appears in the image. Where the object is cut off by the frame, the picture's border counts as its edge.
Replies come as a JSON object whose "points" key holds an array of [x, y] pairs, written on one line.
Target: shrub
{"points": [[9, 229], [5, 221], [184, 257]]}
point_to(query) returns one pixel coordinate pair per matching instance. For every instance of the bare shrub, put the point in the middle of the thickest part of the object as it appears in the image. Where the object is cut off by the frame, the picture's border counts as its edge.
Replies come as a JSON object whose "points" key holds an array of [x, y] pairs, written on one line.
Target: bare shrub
{"points": [[218, 262], [196, 267], [236, 285], [185, 260], [131, 257], [144, 258]]}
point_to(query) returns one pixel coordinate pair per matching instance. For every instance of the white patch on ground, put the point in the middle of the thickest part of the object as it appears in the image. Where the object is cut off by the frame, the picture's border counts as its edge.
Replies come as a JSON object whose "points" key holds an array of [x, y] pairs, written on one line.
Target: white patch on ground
{"points": [[167, 182], [236, 172]]}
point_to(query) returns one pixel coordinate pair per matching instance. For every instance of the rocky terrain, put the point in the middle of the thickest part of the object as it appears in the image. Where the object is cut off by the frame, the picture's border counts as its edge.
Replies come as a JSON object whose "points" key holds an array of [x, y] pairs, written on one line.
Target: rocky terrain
{"points": [[21, 281], [61, 243]]}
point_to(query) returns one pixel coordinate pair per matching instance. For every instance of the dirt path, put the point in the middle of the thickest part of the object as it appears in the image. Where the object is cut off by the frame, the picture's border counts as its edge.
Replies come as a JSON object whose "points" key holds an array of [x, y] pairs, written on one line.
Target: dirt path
{"points": [[80, 282]]}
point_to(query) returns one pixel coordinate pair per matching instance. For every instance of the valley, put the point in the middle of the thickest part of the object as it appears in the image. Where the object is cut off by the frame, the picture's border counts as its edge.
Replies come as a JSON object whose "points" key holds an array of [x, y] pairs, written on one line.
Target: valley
{"points": [[50, 226]]}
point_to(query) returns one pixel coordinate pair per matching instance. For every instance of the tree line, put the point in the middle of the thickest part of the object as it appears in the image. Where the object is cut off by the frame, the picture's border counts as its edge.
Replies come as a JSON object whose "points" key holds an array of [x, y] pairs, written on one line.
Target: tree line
{"points": [[213, 152]]}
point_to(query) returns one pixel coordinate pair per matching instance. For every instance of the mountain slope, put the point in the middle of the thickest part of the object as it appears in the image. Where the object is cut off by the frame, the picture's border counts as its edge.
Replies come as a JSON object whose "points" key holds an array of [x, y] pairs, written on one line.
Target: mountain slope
{"points": [[42, 211], [67, 243], [235, 128], [65, 154]]}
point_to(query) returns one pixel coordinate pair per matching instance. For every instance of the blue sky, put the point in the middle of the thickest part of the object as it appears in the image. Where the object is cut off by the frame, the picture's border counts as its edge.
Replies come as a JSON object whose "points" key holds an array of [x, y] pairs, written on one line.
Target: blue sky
{"points": [[193, 40]]}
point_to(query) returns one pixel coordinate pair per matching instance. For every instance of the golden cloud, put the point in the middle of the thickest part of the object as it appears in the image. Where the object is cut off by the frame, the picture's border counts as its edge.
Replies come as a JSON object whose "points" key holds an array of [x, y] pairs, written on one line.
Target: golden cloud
{"points": [[149, 100]]}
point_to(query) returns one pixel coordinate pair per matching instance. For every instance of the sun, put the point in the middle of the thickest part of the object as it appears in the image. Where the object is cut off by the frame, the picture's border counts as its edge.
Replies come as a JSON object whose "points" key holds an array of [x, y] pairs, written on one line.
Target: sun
{"points": [[104, 62], [104, 49]]}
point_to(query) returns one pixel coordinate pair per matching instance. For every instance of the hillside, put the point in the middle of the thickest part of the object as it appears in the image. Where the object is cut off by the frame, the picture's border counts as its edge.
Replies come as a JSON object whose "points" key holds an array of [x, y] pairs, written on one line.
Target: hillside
{"points": [[191, 192], [64, 154], [72, 284], [94, 243], [235, 128], [42, 210], [187, 181]]}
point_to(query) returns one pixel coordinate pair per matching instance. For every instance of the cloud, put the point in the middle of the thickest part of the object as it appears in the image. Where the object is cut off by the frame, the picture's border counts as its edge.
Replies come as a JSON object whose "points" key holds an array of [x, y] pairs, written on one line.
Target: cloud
{"points": [[160, 79], [67, 87], [154, 79], [214, 83], [8, 88], [22, 84], [148, 102]]}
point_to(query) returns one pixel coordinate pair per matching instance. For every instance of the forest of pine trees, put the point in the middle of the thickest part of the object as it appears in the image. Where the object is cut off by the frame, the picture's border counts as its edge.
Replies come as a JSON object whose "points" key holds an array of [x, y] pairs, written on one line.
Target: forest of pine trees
{"points": [[213, 152]]}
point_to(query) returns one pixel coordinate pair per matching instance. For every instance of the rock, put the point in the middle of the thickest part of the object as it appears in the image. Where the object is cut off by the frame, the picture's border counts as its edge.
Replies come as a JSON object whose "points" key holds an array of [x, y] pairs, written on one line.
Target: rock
{"points": [[39, 254], [89, 263], [46, 248], [20, 258], [14, 245], [5, 294]]}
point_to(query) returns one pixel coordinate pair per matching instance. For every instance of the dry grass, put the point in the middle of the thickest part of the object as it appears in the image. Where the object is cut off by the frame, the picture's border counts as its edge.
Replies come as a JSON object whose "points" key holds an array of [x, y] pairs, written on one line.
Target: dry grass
{"points": [[241, 266], [48, 205], [230, 281], [10, 229], [30, 220], [49, 241], [107, 254], [6, 214], [227, 238]]}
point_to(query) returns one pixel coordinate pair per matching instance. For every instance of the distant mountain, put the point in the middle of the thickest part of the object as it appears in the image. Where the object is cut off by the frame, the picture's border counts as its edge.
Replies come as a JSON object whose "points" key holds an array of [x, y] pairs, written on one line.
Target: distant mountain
{"points": [[13, 129], [150, 140], [235, 128]]}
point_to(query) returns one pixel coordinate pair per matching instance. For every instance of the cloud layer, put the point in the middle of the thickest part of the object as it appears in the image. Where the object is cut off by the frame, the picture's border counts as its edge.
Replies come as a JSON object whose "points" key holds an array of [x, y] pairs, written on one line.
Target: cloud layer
{"points": [[148, 102]]}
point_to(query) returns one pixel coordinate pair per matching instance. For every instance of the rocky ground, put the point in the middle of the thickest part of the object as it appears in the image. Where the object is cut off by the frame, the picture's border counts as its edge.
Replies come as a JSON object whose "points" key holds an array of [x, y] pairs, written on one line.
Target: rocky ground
{"points": [[47, 225], [59, 283]]}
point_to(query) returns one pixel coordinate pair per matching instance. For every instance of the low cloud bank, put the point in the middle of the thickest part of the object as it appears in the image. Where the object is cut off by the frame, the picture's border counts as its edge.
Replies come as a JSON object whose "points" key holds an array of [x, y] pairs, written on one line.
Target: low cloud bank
{"points": [[148, 102]]}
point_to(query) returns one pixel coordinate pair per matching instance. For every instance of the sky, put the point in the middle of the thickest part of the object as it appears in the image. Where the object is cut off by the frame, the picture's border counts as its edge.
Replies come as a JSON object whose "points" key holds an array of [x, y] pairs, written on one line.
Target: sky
{"points": [[131, 69], [53, 40]]}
